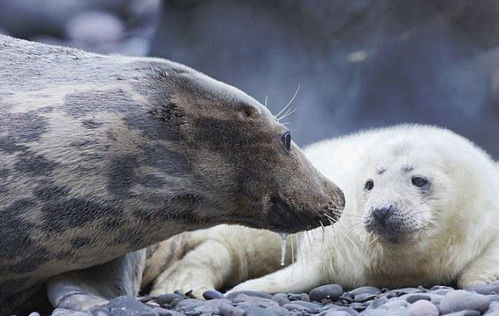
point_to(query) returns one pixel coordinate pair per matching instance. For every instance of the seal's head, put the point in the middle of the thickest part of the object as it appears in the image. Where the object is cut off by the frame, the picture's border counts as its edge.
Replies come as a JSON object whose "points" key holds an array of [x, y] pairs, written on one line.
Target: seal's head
{"points": [[243, 165], [417, 184]]}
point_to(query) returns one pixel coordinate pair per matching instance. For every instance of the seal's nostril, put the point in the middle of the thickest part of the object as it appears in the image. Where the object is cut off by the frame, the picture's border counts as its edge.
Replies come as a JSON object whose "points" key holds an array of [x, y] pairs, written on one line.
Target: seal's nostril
{"points": [[381, 214]]}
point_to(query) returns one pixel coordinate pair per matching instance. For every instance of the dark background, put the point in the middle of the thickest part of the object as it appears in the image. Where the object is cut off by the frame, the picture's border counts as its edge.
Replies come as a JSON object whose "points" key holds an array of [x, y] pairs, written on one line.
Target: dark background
{"points": [[358, 64]]}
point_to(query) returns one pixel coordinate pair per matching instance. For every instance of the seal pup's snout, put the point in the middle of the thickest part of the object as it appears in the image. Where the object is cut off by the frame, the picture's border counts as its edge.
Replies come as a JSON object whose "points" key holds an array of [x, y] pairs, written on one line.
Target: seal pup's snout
{"points": [[381, 215], [387, 222]]}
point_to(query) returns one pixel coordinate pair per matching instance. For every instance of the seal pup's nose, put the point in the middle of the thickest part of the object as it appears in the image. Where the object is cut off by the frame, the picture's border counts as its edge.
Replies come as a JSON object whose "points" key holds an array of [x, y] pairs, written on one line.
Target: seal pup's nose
{"points": [[382, 214]]}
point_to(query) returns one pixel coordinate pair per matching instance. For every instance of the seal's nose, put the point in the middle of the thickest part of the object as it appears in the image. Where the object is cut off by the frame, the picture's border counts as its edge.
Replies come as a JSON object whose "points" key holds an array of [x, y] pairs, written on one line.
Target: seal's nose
{"points": [[382, 214]]}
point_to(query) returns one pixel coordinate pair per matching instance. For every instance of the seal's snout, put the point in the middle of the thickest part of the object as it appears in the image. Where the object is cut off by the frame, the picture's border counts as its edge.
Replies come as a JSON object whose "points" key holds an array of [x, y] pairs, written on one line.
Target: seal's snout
{"points": [[388, 222], [381, 215]]}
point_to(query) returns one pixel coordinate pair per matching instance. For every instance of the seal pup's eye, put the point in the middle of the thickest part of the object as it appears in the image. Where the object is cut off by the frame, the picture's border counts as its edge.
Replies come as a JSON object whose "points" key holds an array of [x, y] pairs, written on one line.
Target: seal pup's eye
{"points": [[286, 140], [369, 185], [419, 181]]}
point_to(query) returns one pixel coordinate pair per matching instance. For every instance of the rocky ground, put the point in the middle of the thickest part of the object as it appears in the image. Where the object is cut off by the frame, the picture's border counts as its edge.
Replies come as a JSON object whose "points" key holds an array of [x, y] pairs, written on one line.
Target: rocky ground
{"points": [[327, 300]]}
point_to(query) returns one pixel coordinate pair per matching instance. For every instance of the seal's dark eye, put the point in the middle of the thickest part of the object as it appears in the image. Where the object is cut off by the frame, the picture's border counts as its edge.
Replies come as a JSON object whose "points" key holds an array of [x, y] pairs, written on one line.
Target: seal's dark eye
{"points": [[369, 185], [286, 140], [419, 182]]}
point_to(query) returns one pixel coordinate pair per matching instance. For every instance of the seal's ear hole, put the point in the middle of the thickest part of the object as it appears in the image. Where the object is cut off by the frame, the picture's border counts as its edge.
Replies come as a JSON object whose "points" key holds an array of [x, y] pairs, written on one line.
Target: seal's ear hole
{"points": [[248, 111]]}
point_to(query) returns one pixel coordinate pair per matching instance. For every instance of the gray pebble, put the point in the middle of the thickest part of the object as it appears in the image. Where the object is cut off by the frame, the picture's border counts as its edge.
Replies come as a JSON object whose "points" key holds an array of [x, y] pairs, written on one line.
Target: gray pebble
{"points": [[94, 27], [99, 311], [252, 310], [484, 288], [463, 300], [373, 312], [364, 297], [67, 312], [378, 302], [395, 303], [281, 298], [212, 294], [293, 306], [331, 307], [411, 298], [330, 291], [167, 298], [336, 313], [211, 306], [409, 290], [278, 311], [229, 310], [423, 308], [309, 305], [365, 289], [129, 306], [33, 313], [464, 313], [359, 306], [258, 301], [188, 304], [249, 293], [166, 312]]}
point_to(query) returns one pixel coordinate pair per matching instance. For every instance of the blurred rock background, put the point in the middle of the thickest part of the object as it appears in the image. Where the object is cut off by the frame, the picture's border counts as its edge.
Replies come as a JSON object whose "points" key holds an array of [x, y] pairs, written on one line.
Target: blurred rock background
{"points": [[359, 64], [102, 26]]}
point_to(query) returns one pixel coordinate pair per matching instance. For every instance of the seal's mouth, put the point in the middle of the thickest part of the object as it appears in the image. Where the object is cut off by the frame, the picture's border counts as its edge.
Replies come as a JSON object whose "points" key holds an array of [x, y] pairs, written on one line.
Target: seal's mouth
{"points": [[283, 218], [394, 233]]}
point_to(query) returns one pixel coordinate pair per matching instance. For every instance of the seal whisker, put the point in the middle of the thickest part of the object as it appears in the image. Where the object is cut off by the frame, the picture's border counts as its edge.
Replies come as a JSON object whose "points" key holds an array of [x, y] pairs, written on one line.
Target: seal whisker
{"points": [[289, 103]]}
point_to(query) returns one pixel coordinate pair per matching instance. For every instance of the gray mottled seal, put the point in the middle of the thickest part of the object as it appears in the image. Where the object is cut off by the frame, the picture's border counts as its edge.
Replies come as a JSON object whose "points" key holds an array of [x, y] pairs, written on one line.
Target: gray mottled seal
{"points": [[422, 207], [102, 156]]}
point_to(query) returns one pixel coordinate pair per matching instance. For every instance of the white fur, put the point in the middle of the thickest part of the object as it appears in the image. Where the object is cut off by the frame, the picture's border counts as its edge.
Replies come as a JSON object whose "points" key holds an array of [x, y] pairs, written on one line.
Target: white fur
{"points": [[457, 236]]}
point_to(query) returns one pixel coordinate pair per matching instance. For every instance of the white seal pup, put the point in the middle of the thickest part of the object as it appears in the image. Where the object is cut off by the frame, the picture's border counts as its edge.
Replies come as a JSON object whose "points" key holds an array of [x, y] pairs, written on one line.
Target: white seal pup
{"points": [[421, 208]]}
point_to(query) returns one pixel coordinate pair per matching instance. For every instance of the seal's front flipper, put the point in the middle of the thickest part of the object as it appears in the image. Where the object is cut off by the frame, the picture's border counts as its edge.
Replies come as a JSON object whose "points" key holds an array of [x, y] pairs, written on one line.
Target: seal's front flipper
{"points": [[83, 289]]}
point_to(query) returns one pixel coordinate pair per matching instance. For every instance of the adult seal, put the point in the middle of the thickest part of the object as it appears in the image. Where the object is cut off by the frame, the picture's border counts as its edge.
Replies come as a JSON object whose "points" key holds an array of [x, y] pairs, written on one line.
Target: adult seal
{"points": [[102, 156], [421, 207]]}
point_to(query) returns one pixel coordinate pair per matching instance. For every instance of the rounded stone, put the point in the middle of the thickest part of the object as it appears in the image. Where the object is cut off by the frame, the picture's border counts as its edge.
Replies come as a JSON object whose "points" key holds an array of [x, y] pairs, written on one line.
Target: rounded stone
{"points": [[249, 293], [229, 310], [330, 291], [461, 300], [485, 289], [336, 313], [411, 298], [297, 307], [364, 297], [423, 308], [213, 294], [167, 298], [281, 298], [364, 290], [464, 313], [94, 27], [378, 302]]}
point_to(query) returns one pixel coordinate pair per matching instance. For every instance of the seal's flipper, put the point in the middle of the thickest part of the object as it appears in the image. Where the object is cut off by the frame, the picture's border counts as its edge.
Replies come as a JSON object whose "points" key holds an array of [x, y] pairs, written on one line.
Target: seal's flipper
{"points": [[83, 289]]}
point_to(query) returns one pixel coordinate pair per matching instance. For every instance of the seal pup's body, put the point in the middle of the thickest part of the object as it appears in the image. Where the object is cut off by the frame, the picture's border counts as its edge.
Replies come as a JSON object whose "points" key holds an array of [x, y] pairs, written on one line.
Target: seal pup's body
{"points": [[421, 209], [102, 156]]}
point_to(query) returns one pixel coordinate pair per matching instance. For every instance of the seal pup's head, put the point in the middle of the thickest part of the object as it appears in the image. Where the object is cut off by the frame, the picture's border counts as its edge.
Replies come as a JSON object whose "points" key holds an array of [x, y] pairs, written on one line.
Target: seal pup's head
{"points": [[420, 182], [241, 165]]}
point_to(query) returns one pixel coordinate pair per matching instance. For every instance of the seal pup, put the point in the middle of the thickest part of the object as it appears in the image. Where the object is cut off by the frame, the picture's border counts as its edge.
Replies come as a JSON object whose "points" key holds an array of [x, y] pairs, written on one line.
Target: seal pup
{"points": [[102, 156], [421, 207]]}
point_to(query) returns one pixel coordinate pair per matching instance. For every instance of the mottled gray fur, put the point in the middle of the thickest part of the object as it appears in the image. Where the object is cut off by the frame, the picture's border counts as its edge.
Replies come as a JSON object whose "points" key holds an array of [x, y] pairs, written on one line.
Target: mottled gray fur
{"points": [[101, 156]]}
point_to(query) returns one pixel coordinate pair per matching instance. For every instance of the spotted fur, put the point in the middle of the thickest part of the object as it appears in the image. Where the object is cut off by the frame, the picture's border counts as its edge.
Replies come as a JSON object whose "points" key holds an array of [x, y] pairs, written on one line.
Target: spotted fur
{"points": [[104, 155]]}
